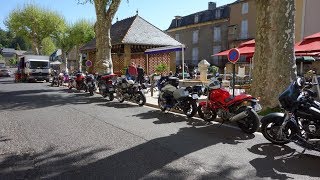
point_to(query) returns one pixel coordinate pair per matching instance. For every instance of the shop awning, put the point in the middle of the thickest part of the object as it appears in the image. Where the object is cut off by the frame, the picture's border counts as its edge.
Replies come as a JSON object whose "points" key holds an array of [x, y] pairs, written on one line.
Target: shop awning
{"points": [[164, 49]]}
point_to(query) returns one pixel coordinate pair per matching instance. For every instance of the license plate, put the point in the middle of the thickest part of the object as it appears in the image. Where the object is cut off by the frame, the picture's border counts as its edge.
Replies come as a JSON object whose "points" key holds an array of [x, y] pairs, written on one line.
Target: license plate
{"points": [[257, 107], [195, 96]]}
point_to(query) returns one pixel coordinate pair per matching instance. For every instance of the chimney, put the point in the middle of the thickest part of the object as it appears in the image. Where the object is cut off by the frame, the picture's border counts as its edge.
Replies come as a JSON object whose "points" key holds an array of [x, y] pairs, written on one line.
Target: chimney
{"points": [[212, 5], [177, 19]]}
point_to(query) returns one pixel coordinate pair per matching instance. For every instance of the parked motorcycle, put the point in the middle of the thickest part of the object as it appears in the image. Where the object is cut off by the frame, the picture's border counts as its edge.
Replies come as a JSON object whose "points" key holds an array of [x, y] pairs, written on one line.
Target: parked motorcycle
{"points": [[300, 123], [183, 99], [241, 109], [106, 87], [91, 84], [130, 91], [57, 79], [78, 82]]}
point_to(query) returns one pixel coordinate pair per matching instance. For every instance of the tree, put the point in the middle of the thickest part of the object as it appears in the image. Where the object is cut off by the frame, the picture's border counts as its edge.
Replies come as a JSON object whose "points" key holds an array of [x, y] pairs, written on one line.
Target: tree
{"points": [[9, 40], [105, 11], [35, 24], [274, 60], [161, 68], [47, 46]]}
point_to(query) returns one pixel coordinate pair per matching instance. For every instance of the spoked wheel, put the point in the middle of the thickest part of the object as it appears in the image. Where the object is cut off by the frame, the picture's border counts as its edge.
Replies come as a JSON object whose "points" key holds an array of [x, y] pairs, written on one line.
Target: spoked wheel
{"points": [[271, 131], [111, 96], [141, 98], [190, 108], [120, 97], [206, 113], [162, 103]]}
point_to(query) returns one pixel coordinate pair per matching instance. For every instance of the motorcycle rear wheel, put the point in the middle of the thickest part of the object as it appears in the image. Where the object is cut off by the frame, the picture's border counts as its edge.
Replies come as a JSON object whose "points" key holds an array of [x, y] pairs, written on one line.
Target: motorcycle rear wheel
{"points": [[192, 108], [251, 123], [207, 114], [161, 103]]}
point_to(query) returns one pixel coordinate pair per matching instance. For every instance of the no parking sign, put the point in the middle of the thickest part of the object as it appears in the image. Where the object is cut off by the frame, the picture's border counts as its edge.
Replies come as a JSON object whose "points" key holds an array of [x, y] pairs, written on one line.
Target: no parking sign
{"points": [[88, 63], [234, 55]]}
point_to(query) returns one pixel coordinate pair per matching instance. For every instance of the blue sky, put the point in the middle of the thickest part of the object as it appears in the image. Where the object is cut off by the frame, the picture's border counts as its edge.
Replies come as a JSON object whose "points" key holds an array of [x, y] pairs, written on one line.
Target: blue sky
{"points": [[157, 12]]}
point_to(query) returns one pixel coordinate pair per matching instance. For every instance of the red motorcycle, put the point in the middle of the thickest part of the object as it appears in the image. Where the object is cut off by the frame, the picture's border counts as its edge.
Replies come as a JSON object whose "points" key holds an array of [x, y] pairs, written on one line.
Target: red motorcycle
{"points": [[241, 109]]}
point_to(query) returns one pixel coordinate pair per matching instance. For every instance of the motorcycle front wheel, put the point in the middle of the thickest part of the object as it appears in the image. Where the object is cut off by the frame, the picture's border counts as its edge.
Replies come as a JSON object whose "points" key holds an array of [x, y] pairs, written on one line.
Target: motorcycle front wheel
{"points": [[190, 108], [111, 96], [270, 130], [161, 103], [206, 113], [141, 98]]}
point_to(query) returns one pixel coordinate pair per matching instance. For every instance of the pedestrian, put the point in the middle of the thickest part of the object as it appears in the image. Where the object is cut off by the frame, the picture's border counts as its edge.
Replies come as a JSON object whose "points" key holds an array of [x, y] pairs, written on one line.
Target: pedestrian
{"points": [[132, 70], [140, 74]]}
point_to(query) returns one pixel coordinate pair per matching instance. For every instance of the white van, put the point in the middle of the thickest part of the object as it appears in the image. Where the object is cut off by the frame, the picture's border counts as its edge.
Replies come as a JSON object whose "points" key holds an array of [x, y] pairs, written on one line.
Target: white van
{"points": [[35, 67]]}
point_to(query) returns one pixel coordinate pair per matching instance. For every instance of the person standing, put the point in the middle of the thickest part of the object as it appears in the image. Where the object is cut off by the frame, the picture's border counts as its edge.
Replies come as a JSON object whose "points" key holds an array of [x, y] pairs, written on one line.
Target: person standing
{"points": [[132, 70], [140, 74]]}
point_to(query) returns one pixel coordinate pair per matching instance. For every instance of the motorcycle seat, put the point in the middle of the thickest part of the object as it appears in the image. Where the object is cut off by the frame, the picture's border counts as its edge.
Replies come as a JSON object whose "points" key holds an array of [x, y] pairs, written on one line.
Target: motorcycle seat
{"points": [[230, 98]]}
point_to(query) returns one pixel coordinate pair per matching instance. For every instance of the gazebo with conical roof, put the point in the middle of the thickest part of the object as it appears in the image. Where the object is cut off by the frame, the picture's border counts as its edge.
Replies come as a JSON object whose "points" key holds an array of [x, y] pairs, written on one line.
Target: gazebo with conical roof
{"points": [[130, 38]]}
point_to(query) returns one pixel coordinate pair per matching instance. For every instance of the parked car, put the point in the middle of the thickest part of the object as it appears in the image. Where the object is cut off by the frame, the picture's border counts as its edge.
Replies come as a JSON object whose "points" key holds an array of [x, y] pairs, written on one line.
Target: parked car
{"points": [[5, 73]]}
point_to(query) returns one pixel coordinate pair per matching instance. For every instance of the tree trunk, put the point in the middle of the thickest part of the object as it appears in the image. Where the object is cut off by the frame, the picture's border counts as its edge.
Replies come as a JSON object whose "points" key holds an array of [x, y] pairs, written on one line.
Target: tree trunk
{"points": [[274, 54], [103, 62]]}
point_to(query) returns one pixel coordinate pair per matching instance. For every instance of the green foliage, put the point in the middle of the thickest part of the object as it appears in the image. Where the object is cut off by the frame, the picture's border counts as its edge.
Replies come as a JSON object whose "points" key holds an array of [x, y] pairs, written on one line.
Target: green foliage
{"points": [[270, 110], [35, 23], [47, 46], [13, 61], [81, 32], [160, 68], [213, 69]]}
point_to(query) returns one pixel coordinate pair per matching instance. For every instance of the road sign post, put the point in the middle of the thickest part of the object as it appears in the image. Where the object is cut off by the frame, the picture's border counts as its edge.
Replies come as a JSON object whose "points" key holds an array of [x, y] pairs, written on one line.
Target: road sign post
{"points": [[233, 57]]}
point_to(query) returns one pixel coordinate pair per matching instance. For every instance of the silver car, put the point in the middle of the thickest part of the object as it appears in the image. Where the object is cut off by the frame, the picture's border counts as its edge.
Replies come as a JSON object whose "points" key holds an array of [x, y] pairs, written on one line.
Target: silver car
{"points": [[5, 73]]}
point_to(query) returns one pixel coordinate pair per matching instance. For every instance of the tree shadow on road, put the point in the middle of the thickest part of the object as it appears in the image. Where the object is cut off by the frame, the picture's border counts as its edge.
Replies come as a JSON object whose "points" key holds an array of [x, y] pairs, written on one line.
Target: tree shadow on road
{"points": [[141, 161], [280, 160], [46, 164], [118, 105], [33, 99], [155, 155]]}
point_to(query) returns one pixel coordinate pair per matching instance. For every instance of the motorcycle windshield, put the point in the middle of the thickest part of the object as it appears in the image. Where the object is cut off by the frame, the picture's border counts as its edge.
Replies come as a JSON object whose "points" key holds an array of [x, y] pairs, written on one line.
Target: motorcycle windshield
{"points": [[288, 97]]}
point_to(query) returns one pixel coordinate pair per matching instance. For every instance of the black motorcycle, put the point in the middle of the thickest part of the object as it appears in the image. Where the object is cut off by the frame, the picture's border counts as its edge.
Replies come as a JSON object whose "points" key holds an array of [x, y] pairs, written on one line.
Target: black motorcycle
{"points": [[300, 123], [128, 90], [172, 97], [106, 87]]}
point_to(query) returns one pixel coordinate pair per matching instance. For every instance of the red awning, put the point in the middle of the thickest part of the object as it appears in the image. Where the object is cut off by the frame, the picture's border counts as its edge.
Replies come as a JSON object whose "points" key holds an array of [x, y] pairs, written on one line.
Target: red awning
{"points": [[246, 48], [246, 51], [308, 44]]}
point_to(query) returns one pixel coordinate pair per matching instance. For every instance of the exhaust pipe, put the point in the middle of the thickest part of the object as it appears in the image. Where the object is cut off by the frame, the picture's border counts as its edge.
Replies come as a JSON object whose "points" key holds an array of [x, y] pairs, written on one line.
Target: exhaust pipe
{"points": [[239, 116]]}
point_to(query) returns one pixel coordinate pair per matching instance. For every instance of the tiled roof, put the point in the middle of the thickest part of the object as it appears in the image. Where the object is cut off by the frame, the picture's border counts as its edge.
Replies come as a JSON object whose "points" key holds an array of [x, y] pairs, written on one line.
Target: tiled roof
{"points": [[136, 30], [203, 16]]}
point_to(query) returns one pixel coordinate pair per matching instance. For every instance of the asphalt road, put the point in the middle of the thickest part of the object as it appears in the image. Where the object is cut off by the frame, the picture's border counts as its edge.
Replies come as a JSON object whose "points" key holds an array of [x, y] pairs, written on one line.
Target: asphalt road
{"points": [[54, 133]]}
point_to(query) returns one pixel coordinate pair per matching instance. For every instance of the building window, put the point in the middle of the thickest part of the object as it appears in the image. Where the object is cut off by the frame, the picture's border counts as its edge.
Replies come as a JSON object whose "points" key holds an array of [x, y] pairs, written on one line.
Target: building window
{"points": [[218, 13], [245, 8], [178, 57], [196, 18], [177, 37], [216, 49], [216, 34], [195, 55], [244, 29], [195, 36]]}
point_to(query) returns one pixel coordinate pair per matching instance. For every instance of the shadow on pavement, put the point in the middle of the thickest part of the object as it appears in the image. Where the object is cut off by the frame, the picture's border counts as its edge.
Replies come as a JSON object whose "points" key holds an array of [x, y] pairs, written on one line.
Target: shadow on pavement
{"points": [[154, 155], [32, 99], [118, 105], [142, 161], [279, 160], [46, 164]]}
